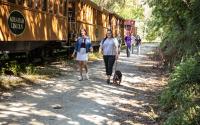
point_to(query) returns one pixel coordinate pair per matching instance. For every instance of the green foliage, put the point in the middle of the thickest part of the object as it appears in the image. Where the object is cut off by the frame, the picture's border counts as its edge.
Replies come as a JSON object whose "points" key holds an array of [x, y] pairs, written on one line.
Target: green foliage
{"points": [[128, 9], [17, 68], [30, 69], [177, 23], [4, 56], [11, 66], [2, 71], [182, 97], [151, 35], [129, 12]]}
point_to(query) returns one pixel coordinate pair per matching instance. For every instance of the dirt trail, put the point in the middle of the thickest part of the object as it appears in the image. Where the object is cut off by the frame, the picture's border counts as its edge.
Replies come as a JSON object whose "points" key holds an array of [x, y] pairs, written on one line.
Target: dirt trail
{"points": [[66, 101]]}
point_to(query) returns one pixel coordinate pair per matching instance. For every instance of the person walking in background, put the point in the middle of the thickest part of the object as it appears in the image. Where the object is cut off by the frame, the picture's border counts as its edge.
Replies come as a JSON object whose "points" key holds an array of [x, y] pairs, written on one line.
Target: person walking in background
{"points": [[132, 42], [109, 49], [119, 39], [128, 43], [82, 47], [138, 44]]}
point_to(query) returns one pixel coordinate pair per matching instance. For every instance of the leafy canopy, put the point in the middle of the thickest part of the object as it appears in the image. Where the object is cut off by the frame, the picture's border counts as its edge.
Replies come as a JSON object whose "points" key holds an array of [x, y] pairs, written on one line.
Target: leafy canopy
{"points": [[128, 9]]}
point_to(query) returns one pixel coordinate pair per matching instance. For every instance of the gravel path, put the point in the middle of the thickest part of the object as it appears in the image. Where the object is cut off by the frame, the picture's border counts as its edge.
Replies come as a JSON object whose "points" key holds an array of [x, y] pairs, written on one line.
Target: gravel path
{"points": [[66, 101]]}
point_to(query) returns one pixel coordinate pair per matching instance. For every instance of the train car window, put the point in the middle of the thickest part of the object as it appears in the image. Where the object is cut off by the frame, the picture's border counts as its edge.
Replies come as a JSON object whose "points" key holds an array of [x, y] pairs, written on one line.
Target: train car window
{"points": [[71, 11], [44, 5], [56, 7], [94, 16], [20, 2], [37, 4], [99, 18], [122, 24], [30, 3], [96, 32], [65, 8], [61, 4], [51, 6], [26, 3], [116, 22], [12, 1]]}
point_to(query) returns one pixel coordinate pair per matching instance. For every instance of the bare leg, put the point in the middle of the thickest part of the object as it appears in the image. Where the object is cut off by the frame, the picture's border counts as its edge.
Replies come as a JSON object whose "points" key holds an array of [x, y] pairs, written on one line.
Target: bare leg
{"points": [[86, 69]]}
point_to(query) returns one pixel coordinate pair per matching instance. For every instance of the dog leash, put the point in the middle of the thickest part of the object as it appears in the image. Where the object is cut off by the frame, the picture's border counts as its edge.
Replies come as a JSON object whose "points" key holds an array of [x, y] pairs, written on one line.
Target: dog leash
{"points": [[115, 65]]}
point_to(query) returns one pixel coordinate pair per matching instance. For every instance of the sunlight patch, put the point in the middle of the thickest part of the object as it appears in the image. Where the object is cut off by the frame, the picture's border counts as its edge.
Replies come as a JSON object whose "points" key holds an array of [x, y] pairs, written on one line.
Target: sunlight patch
{"points": [[96, 119], [73, 123]]}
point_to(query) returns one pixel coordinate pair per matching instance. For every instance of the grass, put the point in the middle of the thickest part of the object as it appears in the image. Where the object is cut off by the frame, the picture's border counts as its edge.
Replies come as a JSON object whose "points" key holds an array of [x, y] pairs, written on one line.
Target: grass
{"points": [[95, 56], [11, 82], [30, 77], [8, 83], [33, 74], [48, 71]]}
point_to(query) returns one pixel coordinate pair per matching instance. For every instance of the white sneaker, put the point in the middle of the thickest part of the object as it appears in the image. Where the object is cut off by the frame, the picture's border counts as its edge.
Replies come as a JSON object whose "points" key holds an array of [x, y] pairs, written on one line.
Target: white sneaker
{"points": [[80, 78], [87, 76]]}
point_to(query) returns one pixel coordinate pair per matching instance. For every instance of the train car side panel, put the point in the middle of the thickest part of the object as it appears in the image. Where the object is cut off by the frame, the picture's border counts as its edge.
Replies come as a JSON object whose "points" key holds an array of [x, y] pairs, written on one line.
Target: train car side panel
{"points": [[39, 26]]}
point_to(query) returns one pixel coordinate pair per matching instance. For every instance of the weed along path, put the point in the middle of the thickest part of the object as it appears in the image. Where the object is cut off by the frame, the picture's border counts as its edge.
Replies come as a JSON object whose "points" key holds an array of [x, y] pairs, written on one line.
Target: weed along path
{"points": [[63, 100]]}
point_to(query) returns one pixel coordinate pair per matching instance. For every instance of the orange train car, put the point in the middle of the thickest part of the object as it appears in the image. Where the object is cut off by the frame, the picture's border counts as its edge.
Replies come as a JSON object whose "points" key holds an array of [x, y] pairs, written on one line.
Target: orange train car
{"points": [[130, 27], [96, 20], [26, 25], [37, 26], [116, 24]]}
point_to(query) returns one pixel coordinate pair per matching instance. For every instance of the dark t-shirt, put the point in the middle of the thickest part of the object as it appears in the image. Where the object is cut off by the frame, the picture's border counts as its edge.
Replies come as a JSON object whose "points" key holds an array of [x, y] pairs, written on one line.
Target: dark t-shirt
{"points": [[138, 42], [83, 45]]}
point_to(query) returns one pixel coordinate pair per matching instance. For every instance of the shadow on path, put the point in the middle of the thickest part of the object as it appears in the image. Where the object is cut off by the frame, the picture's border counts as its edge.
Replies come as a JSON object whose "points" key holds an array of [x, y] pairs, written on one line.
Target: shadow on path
{"points": [[90, 102]]}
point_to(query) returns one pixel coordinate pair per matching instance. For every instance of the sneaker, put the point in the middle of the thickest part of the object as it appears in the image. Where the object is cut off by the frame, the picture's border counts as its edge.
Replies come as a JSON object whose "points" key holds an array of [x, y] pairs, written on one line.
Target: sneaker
{"points": [[80, 78], [87, 76], [108, 81]]}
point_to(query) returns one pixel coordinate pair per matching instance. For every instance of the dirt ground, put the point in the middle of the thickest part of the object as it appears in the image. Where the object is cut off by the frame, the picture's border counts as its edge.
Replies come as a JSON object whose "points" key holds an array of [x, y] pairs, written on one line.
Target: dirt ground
{"points": [[64, 100]]}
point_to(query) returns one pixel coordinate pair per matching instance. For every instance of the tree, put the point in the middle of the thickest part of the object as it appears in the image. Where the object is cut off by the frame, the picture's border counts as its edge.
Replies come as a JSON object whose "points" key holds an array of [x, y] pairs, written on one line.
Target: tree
{"points": [[177, 22], [128, 9]]}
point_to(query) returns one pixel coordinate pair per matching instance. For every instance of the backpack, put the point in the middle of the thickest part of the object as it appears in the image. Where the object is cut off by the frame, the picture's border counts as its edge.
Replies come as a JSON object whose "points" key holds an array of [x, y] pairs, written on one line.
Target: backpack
{"points": [[119, 42], [104, 40], [138, 41]]}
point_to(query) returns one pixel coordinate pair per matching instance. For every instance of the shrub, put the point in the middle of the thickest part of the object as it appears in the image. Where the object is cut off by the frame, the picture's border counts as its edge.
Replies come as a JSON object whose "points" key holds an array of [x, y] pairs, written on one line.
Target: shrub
{"points": [[181, 98], [15, 68], [30, 69], [11, 67]]}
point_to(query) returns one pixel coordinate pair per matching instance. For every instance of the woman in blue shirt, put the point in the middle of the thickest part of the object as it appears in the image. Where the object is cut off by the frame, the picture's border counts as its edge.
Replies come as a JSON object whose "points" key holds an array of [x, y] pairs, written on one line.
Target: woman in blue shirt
{"points": [[82, 47]]}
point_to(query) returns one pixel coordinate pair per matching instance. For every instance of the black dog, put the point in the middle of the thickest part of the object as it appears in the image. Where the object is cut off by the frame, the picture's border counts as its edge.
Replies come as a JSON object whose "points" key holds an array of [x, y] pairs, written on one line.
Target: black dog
{"points": [[117, 78]]}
